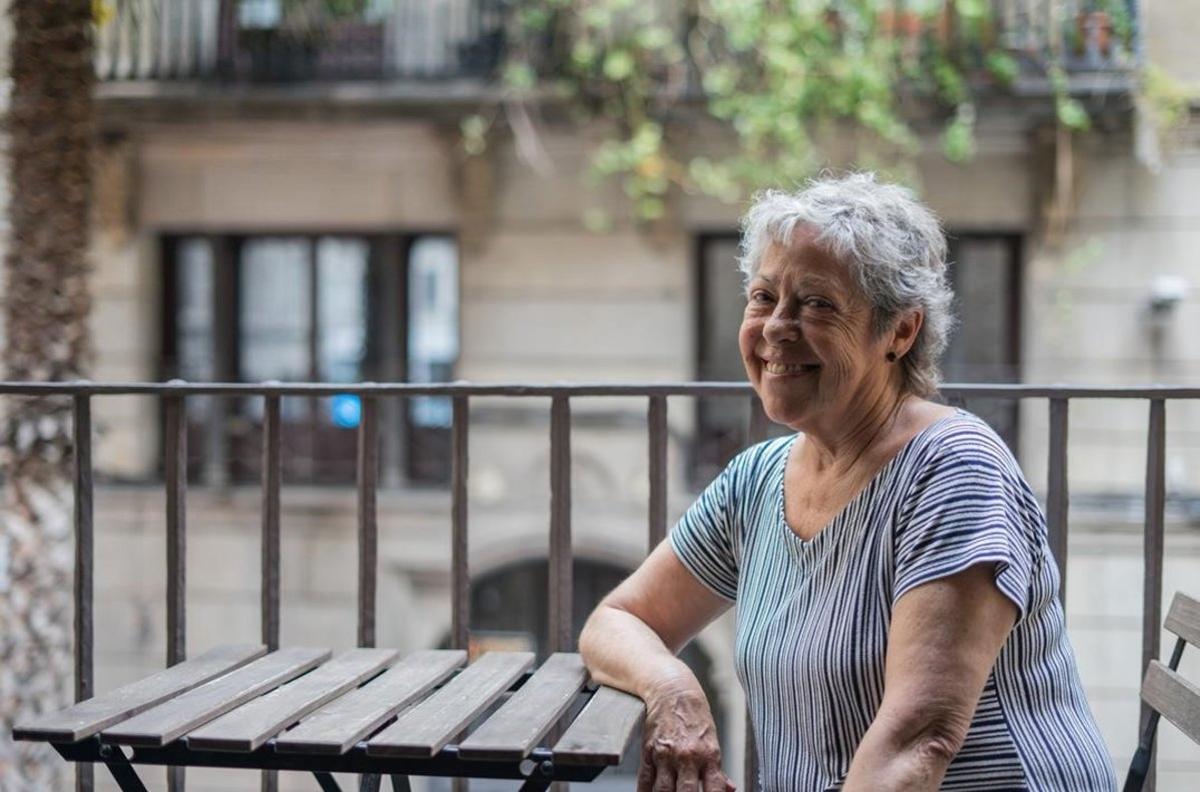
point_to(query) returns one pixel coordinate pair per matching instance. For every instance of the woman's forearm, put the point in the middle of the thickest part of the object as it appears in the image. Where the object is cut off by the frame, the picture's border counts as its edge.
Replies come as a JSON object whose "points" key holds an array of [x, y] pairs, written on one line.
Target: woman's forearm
{"points": [[623, 652]]}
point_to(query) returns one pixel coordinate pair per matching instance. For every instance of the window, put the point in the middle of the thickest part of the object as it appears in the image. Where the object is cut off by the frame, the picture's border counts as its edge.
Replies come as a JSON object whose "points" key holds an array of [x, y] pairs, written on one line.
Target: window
{"points": [[721, 422], [313, 308], [985, 273]]}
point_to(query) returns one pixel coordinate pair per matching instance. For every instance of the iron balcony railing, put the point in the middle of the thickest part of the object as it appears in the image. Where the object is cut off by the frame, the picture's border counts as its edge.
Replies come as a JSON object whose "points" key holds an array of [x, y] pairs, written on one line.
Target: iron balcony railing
{"points": [[292, 41], [174, 396], [1088, 35], [248, 41]]}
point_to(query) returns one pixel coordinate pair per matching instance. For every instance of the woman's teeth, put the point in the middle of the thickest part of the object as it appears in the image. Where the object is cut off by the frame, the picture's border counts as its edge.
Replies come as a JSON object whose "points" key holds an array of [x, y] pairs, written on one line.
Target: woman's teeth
{"points": [[784, 368]]}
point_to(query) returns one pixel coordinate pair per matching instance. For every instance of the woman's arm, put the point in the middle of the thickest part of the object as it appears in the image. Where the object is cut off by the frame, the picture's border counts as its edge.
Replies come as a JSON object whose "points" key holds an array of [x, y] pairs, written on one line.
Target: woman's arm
{"points": [[630, 641], [943, 642]]}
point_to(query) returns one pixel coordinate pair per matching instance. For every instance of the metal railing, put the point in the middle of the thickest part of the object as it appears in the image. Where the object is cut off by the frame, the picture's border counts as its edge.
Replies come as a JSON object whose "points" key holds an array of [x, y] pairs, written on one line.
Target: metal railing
{"points": [[256, 41], [1089, 35], [561, 630], [262, 41]]}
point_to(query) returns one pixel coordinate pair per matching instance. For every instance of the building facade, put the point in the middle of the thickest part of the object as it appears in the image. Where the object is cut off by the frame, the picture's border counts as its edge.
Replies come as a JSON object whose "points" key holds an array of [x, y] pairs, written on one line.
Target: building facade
{"points": [[290, 219]]}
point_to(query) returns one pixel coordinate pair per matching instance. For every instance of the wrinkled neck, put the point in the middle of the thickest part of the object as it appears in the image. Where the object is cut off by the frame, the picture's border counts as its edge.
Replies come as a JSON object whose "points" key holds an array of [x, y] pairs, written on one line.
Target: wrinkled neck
{"points": [[837, 443]]}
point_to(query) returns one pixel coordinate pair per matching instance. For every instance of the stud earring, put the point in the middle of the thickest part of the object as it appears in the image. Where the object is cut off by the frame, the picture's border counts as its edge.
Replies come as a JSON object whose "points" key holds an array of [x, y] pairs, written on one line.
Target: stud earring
{"points": [[891, 357]]}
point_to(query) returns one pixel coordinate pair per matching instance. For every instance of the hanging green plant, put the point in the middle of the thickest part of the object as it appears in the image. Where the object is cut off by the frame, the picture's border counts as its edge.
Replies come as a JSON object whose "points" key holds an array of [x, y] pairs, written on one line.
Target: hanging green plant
{"points": [[777, 73]]}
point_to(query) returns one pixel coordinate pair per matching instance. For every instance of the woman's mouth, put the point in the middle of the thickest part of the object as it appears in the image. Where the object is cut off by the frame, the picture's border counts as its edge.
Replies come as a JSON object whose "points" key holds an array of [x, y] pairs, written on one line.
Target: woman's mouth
{"points": [[789, 368]]}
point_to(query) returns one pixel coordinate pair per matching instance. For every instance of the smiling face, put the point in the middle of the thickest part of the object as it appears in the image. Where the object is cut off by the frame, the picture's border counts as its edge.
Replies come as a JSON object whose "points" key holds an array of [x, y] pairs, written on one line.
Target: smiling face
{"points": [[807, 339]]}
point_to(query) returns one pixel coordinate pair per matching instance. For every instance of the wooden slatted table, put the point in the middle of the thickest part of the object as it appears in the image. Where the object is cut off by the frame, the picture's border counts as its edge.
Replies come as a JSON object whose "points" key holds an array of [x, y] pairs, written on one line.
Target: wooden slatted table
{"points": [[364, 711]]}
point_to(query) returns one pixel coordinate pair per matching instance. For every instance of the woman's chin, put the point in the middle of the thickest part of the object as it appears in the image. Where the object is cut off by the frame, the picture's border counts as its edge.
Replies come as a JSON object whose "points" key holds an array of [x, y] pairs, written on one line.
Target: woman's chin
{"points": [[786, 412]]}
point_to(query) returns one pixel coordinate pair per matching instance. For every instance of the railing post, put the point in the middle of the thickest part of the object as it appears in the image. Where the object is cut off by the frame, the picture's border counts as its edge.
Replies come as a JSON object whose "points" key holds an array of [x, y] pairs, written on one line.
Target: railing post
{"points": [[271, 480], [226, 37], [84, 561], [368, 530], [1152, 552], [460, 574], [460, 571], [560, 525], [561, 583], [656, 420], [1058, 497], [175, 469]]}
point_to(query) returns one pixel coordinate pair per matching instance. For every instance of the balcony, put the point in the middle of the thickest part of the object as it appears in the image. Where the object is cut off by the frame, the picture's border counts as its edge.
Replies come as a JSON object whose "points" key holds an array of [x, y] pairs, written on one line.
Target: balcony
{"points": [[280, 42], [1098, 42]]}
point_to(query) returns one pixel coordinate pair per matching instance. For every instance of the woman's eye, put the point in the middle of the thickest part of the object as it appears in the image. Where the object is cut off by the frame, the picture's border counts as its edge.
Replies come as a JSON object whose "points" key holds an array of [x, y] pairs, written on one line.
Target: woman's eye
{"points": [[817, 302], [759, 296]]}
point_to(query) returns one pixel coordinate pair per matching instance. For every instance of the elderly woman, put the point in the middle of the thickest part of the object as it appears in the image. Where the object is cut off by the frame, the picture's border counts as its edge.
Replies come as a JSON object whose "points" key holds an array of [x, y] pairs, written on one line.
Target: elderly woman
{"points": [[898, 626]]}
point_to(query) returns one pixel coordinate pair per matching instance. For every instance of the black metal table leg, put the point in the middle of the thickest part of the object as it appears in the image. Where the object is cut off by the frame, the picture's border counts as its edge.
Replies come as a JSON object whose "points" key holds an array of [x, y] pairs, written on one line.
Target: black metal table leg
{"points": [[327, 781], [122, 772], [537, 771]]}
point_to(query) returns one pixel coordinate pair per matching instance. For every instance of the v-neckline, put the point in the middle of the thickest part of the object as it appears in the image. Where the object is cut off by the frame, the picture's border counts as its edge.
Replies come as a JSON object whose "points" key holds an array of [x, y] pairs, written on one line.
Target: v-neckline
{"points": [[799, 541]]}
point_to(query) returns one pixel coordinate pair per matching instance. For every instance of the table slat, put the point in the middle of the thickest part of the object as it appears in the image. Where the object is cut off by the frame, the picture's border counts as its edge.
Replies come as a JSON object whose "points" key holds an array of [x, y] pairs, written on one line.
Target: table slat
{"points": [[173, 719], [338, 726], [96, 714], [427, 727], [249, 726], [602, 731], [513, 731]]}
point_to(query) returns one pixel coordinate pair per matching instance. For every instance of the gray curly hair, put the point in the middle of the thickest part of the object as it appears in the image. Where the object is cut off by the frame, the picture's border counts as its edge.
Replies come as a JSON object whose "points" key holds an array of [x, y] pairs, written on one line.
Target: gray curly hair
{"points": [[893, 242]]}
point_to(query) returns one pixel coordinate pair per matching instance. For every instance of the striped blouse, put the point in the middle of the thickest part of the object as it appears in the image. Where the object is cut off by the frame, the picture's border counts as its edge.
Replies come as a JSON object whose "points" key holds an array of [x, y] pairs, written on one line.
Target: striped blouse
{"points": [[813, 616]]}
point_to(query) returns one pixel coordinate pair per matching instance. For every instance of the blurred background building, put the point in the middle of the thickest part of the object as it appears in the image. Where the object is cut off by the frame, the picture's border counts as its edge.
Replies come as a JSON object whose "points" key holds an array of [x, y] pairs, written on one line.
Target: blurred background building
{"points": [[267, 210]]}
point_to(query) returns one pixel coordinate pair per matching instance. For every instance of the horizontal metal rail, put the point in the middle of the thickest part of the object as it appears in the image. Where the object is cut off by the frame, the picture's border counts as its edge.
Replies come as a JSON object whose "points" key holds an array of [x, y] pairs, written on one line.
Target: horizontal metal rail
{"points": [[951, 390], [560, 629]]}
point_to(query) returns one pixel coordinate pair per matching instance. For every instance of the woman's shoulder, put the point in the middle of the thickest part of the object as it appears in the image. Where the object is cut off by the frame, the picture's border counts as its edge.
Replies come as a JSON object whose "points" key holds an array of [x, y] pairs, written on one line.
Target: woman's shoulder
{"points": [[964, 437], [961, 456]]}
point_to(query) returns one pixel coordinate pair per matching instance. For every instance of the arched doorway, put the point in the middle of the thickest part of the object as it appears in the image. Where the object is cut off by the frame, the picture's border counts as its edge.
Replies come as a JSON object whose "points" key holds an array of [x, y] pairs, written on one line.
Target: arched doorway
{"points": [[509, 610]]}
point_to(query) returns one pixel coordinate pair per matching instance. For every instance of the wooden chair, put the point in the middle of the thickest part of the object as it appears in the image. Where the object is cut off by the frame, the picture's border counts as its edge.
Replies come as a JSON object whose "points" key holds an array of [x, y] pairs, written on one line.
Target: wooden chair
{"points": [[1167, 692]]}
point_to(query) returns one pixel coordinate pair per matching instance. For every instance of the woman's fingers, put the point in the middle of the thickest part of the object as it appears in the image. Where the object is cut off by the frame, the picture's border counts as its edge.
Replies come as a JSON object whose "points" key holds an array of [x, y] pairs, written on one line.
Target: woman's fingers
{"points": [[688, 779], [715, 780], [645, 777], [664, 780]]}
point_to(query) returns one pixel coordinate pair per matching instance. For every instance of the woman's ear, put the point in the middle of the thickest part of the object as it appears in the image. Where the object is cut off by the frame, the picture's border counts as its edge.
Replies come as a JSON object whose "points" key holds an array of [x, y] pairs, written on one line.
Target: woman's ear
{"points": [[904, 334]]}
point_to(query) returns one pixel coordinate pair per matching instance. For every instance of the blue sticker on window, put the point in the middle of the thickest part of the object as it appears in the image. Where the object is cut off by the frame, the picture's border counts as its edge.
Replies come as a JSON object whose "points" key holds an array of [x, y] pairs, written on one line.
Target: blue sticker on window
{"points": [[345, 410]]}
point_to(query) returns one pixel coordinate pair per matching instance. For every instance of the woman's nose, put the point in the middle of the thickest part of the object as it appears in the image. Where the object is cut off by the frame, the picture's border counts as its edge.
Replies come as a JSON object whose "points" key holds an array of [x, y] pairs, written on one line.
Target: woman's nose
{"points": [[781, 327]]}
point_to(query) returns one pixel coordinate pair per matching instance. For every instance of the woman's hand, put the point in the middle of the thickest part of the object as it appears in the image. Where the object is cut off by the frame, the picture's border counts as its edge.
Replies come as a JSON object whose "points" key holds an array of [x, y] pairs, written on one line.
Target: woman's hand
{"points": [[679, 744], [630, 641]]}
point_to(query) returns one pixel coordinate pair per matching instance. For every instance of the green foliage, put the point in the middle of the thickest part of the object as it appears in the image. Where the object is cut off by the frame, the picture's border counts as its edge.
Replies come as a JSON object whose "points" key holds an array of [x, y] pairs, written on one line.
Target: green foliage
{"points": [[776, 72], [1165, 97]]}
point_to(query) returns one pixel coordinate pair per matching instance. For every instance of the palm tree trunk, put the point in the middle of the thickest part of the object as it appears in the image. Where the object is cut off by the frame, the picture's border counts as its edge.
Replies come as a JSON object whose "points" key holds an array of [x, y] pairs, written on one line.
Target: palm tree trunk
{"points": [[46, 305]]}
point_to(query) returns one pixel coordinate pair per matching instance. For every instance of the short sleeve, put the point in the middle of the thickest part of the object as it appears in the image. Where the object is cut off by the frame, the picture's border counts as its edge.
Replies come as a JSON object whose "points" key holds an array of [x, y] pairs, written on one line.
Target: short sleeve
{"points": [[968, 504], [704, 540]]}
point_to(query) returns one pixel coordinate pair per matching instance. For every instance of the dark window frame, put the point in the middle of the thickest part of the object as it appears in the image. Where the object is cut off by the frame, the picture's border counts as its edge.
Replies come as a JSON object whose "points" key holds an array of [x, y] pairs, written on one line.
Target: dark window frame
{"points": [[1015, 242], [385, 355]]}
